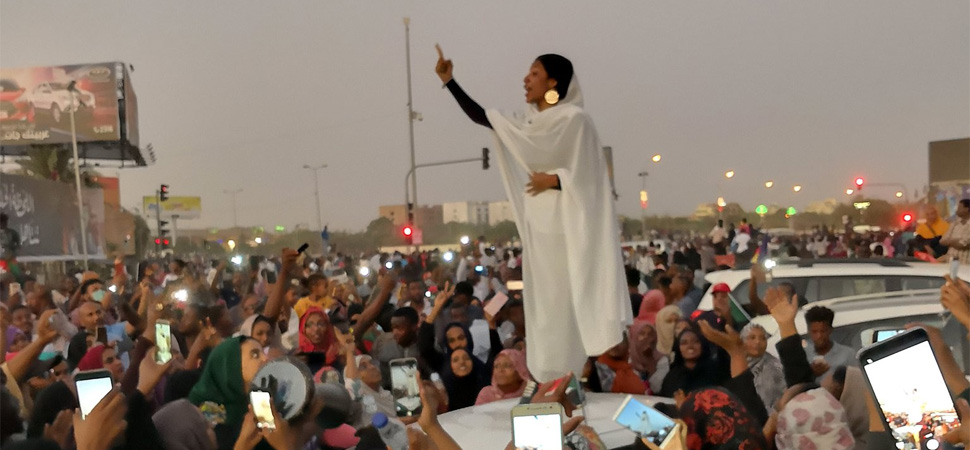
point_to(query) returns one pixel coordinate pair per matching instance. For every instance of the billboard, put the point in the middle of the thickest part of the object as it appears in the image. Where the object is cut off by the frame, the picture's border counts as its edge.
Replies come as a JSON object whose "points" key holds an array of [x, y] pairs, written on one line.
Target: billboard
{"points": [[35, 104], [183, 207], [45, 215]]}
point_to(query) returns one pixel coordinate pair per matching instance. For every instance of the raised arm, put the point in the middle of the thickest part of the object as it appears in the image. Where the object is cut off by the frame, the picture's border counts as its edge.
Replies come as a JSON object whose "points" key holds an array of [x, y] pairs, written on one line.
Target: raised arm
{"points": [[276, 299], [474, 111], [373, 309]]}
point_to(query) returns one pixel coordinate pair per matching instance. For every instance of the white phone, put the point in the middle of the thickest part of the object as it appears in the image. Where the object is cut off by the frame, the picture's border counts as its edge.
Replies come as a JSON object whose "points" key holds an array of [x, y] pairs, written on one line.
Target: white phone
{"points": [[262, 409], [496, 303], [649, 424], [954, 269], [91, 387], [537, 426]]}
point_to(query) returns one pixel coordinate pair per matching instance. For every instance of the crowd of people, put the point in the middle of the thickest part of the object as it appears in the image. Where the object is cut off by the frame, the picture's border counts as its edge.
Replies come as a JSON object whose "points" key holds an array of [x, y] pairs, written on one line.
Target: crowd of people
{"points": [[345, 319]]}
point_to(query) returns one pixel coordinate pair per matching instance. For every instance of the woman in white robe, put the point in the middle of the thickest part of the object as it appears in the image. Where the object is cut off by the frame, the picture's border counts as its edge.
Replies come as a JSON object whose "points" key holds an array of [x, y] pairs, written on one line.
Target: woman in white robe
{"points": [[555, 175]]}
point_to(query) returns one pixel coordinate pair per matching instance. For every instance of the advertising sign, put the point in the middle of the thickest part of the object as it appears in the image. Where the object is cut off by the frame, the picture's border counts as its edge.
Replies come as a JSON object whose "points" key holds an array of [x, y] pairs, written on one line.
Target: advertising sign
{"points": [[45, 215], [183, 207], [35, 103]]}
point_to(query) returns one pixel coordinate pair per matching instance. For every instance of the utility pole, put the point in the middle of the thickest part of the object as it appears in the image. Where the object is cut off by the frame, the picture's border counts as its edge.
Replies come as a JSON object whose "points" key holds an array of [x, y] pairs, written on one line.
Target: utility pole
{"points": [[235, 217], [72, 88], [316, 190], [411, 116]]}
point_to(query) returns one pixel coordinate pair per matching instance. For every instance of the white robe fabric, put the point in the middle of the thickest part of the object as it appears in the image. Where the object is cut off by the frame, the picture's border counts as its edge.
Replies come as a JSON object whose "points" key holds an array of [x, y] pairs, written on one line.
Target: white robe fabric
{"points": [[576, 301]]}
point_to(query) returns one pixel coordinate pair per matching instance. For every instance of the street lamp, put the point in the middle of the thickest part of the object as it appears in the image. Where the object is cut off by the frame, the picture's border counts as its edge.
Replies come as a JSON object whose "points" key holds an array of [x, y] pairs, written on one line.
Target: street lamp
{"points": [[231, 244], [769, 184], [235, 217], [797, 188], [465, 240], [258, 240], [849, 191], [729, 174], [720, 202], [656, 158], [899, 194], [316, 190]]}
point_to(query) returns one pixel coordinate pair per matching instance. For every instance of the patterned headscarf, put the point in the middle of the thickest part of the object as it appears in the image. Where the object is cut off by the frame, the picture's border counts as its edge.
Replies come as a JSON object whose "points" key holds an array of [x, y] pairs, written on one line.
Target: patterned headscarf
{"points": [[813, 420], [716, 420]]}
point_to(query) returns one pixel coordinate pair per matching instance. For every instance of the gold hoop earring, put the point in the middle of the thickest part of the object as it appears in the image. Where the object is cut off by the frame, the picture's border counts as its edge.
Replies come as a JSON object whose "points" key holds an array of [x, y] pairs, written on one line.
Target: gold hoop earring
{"points": [[552, 96]]}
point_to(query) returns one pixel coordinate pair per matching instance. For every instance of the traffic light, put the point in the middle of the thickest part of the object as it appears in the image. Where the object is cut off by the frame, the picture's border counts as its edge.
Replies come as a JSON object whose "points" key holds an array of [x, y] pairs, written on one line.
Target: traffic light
{"points": [[907, 218], [408, 233], [163, 234], [485, 158], [163, 193], [858, 183]]}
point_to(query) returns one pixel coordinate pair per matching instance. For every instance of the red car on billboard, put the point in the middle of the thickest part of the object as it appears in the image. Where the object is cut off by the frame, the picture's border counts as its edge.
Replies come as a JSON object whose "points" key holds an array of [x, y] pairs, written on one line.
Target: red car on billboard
{"points": [[14, 102]]}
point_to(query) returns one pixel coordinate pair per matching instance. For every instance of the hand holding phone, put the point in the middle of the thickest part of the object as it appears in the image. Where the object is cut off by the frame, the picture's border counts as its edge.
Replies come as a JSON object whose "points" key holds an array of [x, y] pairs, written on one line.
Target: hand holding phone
{"points": [[91, 387], [652, 426], [406, 387], [163, 341], [263, 410], [496, 303], [537, 426]]}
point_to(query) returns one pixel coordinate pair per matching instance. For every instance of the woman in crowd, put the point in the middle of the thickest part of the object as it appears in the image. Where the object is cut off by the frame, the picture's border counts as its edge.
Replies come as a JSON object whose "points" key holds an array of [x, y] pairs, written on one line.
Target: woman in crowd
{"points": [[183, 427], [667, 319], [222, 390], [810, 419], [103, 357], [363, 379], [509, 378], [464, 377], [693, 366], [653, 301], [717, 420], [769, 376], [615, 372], [318, 342], [259, 328], [650, 364]]}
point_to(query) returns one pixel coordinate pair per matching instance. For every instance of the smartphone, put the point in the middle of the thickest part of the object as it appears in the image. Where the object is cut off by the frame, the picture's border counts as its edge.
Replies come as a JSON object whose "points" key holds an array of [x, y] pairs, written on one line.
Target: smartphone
{"points": [[496, 303], [405, 387], [881, 334], [515, 285], [648, 423], [270, 276], [301, 254], [907, 384], [163, 341], [262, 409], [954, 269], [537, 426], [102, 335], [91, 387]]}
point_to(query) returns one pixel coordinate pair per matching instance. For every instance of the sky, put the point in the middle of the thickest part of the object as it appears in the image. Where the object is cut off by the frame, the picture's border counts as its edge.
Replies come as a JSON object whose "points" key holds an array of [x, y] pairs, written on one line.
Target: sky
{"points": [[242, 94]]}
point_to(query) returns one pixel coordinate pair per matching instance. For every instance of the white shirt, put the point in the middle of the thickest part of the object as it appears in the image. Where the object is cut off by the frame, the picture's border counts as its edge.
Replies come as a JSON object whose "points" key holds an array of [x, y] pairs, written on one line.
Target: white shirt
{"points": [[742, 240]]}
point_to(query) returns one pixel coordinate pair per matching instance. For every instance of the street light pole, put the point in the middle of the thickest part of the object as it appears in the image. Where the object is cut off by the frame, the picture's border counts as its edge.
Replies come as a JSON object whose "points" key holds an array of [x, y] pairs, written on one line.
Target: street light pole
{"points": [[407, 50], [235, 218], [72, 88], [316, 190], [643, 211]]}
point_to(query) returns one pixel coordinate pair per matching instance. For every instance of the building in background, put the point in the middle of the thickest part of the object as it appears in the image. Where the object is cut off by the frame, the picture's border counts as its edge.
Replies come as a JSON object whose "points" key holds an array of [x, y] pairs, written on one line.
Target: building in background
{"points": [[423, 215], [500, 212]]}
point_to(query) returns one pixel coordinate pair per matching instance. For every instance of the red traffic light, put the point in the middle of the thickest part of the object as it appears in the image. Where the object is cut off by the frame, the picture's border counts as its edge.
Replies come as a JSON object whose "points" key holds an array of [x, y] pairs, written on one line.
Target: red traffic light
{"points": [[158, 241], [407, 230], [166, 242], [907, 218], [859, 182], [164, 189]]}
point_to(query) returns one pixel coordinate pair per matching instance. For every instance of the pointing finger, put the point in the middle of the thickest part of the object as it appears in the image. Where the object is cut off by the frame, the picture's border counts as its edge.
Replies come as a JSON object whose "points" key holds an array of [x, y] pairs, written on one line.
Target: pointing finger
{"points": [[441, 54]]}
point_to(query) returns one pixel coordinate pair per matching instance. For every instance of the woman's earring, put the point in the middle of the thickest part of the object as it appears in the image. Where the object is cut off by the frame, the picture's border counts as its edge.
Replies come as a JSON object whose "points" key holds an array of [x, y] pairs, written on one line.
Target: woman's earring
{"points": [[552, 96]]}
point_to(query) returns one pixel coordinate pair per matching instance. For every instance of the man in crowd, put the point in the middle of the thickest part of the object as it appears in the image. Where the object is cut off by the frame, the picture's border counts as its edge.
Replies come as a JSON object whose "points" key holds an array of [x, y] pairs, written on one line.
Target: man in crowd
{"points": [[414, 296], [43, 300], [633, 284], [719, 238], [684, 289], [957, 237], [401, 342], [933, 229], [823, 353]]}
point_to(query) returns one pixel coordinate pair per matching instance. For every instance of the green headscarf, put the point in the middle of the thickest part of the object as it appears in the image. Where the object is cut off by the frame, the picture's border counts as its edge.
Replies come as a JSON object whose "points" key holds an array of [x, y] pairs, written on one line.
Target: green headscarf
{"points": [[220, 387]]}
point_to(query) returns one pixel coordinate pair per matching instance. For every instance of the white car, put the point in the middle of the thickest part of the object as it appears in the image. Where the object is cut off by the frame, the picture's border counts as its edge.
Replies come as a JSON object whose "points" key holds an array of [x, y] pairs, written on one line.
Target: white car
{"points": [[55, 99], [823, 279]]}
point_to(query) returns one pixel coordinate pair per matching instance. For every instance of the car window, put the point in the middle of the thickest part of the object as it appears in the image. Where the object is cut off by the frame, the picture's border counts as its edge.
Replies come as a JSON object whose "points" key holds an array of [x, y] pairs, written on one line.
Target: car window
{"points": [[916, 283], [850, 335], [8, 86], [740, 292], [835, 287]]}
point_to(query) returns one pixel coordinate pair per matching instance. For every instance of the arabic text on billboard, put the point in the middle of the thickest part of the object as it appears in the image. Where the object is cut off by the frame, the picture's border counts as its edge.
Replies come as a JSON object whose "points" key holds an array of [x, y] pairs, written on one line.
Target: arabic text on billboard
{"points": [[45, 215], [35, 104], [183, 207]]}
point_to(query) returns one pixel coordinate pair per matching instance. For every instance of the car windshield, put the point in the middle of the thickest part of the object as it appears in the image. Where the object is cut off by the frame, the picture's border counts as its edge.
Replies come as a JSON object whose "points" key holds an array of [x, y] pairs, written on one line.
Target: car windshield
{"points": [[9, 86]]}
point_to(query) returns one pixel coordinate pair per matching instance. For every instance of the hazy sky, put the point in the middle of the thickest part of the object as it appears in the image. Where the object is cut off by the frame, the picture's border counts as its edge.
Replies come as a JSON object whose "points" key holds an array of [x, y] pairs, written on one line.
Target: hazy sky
{"points": [[241, 94]]}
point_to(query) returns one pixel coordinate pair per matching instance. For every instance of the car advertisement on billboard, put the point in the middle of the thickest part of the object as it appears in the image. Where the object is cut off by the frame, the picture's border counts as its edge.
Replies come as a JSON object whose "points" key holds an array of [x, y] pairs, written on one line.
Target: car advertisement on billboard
{"points": [[36, 103]]}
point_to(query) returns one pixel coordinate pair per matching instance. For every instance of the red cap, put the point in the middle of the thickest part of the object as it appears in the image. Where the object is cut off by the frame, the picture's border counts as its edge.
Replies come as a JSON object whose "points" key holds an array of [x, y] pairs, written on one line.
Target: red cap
{"points": [[721, 287]]}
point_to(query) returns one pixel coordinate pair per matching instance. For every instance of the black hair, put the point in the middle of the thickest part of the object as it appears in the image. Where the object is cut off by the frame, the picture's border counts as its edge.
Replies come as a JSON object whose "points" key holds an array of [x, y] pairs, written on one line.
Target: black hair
{"points": [[820, 314], [261, 318], [84, 286], [514, 304], [179, 262], [408, 313], [558, 68], [705, 348], [632, 277], [839, 375], [465, 288], [965, 202], [313, 279]]}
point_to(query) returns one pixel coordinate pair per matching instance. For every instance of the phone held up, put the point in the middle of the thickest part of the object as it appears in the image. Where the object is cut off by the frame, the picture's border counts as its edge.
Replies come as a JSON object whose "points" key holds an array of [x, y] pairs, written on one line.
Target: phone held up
{"points": [[91, 387], [262, 409], [405, 387], [163, 341], [537, 426], [906, 381], [655, 428]]}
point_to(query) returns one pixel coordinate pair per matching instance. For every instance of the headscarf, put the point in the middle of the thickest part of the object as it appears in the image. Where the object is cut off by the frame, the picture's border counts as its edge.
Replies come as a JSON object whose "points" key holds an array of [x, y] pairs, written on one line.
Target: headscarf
{"points": [[717, 420], [246, 329], [854, 401], [653, 302], [769, 375], [92, 359], [624, 379], [468, 336], [220, 389], [644, 360], [13, 333], [463, 391], [77, 348], [329, 339], [706, 373], [50, 401], [493, 392], [183, 427], [813, 420], [665, 331]]}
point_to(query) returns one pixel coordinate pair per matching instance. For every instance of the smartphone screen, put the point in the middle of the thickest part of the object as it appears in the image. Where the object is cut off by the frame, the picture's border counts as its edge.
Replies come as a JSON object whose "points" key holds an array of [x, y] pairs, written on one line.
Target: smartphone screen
{"points": [[262, 409], [645, 421], [163, 341], [539, 432], [909, 389], [515, 285], [404, 387], [91, 386], [954, 269], [882, 335]]}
